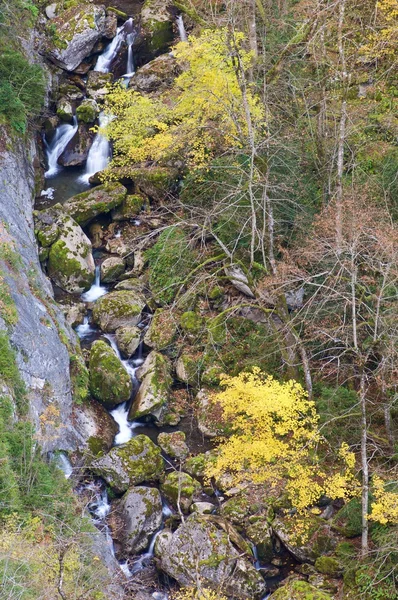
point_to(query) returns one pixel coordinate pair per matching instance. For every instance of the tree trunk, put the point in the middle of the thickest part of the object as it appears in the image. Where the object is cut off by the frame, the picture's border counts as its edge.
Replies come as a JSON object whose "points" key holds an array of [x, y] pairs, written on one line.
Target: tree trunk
{"points": [[365, 468]]}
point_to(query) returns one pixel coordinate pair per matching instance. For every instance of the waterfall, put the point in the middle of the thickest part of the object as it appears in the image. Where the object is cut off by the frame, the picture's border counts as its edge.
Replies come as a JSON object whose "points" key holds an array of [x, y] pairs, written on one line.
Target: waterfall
{"points": [[181, 29], [98, 156], [105, 59], [63, 134], [63, 463], [95, 292]]}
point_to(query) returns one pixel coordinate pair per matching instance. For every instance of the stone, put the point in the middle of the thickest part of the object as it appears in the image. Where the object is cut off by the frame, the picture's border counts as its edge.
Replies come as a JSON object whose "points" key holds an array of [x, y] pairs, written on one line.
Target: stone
{"points": [[128, 339], [96, 426], [317, 540], [111, 269], [296, 589], [136, 462], [191, 323], [74, 313], [155, 76], [162, 330], [162, 541], [110, 383], [97, 83], [97, 235], [110, 26], [77, 149], [198, 549], [206, 422], [70, 91], [73, 35], [202, 508], [132, 283], [174, 444], [156, 23], [188, 369], [129, 208], [348, 520], [140, 513], [65, 111], [86, 206], [196, 465], [261, 535], [153, 393], [118, 309], [239, 279], [236, 509], [88, 111], [328, 565], [180, 488], [70, 262], [51, 10]]}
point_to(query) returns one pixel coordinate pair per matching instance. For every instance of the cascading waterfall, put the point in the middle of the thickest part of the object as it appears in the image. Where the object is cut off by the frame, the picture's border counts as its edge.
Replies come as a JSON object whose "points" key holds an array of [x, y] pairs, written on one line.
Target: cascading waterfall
{"points": [[99, 154], [181, 29], [105, 59], [95, 292], [63, 135], [63, 462]]}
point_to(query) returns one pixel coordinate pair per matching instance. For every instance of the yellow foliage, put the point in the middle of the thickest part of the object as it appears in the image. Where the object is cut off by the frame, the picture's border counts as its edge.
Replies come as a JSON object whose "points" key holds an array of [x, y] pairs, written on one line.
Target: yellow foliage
{"points": [[385, 506], [200, 117], [275, 439], [384, 42]]}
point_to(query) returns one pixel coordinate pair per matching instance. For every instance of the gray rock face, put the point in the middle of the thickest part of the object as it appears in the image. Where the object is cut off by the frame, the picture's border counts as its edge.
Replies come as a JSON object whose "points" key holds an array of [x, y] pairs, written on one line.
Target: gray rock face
{"points": [[86, 206], [153, 393], [77, 30], [77, 150], [199, 549], [42, 358], [156, 75], [140, 511], [95, 424], [239, 280]]}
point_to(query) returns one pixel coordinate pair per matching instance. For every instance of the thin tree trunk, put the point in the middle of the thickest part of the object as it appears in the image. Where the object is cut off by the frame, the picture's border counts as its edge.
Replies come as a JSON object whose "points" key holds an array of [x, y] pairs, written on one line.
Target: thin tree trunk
{"points": [[342, 133], [365, 468]]}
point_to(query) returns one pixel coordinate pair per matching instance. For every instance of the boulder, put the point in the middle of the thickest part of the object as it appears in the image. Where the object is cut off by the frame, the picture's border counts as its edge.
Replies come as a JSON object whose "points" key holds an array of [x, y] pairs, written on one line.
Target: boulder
{"points": [[110, 25], [70, 262], [348, 520], [111, 269], [162, 330], [239, 279], [260, 534], [95, 425], [70, 91], [118, 309], [65, 111], [109, 381], [129, 208], [316, 540], [51, 10], [207, 423], [202, 508], [180, 488], [77, 149], [157, 25], [132, 284], [155, 76], [88, 111], [86, 206], [131, 464], [97, 83], [140, 514], [152, 181], [153, 393], [296, 589], [174, 444], [73, 33], [191, 323], [188, 369], [128, 339], [199, 550], [74, 313]]}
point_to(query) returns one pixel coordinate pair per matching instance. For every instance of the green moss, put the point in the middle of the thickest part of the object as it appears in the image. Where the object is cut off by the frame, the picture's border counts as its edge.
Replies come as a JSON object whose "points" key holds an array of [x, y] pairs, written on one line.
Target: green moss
{"points": [[86, 112], [180, 487], [328, 566], [161, 35], [191, 322], [109, 381], [299, 590], [79, 378], [142, 459], [8, 310], [9, 373], [119, 13], [162, 330], [119, 308], [96, 445]]}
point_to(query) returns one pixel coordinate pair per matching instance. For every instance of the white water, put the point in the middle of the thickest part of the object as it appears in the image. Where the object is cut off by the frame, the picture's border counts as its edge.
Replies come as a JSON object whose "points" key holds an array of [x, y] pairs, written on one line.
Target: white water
{"points": [[181, 29], [63, 462], [63, 134], [99, 153], [85, 329], [95, 292], [126, 428], [105, 59], [48, 193]]}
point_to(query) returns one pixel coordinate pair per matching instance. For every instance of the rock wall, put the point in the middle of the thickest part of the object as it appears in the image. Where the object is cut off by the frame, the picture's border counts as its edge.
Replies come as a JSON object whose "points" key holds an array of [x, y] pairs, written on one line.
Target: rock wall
{"points": [[42, 358]]}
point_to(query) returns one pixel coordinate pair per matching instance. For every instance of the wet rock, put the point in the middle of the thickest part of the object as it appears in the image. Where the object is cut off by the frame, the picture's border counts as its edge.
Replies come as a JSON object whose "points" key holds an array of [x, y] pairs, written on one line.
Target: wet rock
{"points": [[131, 464], [174, 444], [202, 508], [157, 25], [140, 512], [295, 589], [73, 34], [88, 111], [130, 208], [156, 381], [180, 488], [317, 540], [95, 425], [110, 26], [86, 206], [65, 111], [156, 75], [260, 534], [109, 381], [77, 149], [162, 330], [118, 309], [74, 313], [111, 269], [128, 340], [239, 280], [199, 549], [97, 83]]}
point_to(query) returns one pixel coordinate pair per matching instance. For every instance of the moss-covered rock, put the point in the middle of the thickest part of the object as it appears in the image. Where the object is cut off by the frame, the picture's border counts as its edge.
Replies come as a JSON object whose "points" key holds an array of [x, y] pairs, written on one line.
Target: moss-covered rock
{"points": [[188, 368], [65, 111], [128, 339], [208, 415], [236, 509], [112, 268], [118, 309], [95, 425], [316, 540], [162, 331], [109, 381], [191, 323], [86, 206], [140, 511], [328, 565], [157, 25], [299, 590], [97, 84], [47, 233], [156, 75], [180, 488], [154, 181], [260, 534], [348, 520], [131, 464], [130, 207], [153, 394], [174, 444], [88, 111], [196, 465]]}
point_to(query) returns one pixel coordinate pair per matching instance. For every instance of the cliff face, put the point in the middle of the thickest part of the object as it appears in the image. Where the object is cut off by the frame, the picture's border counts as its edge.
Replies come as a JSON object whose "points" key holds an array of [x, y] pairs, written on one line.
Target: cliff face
{"points": [[37, 324]]}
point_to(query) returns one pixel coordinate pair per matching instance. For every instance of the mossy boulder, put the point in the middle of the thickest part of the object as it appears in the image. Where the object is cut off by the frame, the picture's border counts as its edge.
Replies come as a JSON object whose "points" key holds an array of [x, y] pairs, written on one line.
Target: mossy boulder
{"points": [[191, 323], [198, 549], [236, 509], [86, 206], [316, 540], [328, 565], [154, 182], [162, 330], [128, 339], [70, 91], [65, 111], [180, 488], [109, 381], [131, 464], [77, 149], [196, 465], [153, 394], [130, 207], [157, 25], [140, 513], [72, 34], [348, 521], [208, 414], [97, 84], [297, 589], [118, 309], [95, 425], [112, 268], [46, 232], [260, 534], [88, 111], [156, 75], [174, 444], [188, 368]]}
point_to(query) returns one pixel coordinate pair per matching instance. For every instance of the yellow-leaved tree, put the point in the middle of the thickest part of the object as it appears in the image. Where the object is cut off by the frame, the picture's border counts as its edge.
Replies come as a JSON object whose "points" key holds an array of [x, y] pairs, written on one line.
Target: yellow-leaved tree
{"points": [[275, 441], [385, 503], [201, 116]]}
